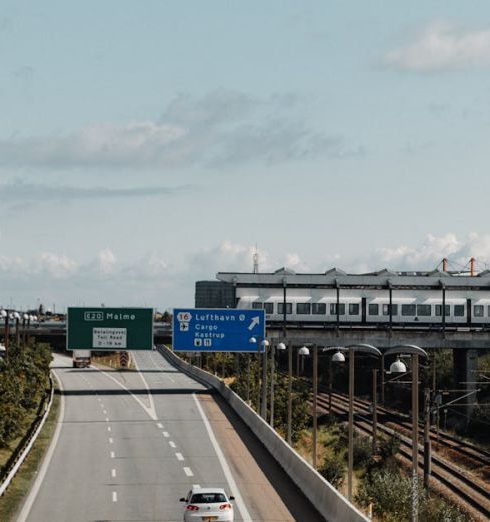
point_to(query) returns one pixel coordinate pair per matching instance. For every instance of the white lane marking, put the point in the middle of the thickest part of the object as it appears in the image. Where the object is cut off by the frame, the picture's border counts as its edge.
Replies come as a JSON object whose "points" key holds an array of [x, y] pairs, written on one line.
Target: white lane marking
{"points": [[150, 396], [104, 412], [170, 378], [114, 496], [109, 428], [107, 419], [113, 455], [188, 472], [159, 425], [111, 440], [172, 444], [113, 473], [151, 410], [226, 469], [165, 434], [179, 456], [47, 460]]}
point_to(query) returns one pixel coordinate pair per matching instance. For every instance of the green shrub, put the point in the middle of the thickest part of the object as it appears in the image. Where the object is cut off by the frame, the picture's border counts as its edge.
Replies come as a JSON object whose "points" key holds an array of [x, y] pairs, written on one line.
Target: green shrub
{"points": [[333, 469], [437, 510], [389, 492], [362, 450]]}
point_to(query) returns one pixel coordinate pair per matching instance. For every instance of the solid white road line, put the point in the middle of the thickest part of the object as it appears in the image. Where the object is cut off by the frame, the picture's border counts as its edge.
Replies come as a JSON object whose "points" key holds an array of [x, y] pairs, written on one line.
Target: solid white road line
{"points": [[114, 496], [151, 410], [226, 469], [44, 467], [179, 456], [188, 472], [172, 444]]}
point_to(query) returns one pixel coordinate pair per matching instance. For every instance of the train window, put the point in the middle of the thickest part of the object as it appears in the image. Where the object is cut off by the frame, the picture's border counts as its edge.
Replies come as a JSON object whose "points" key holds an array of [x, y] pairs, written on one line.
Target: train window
{"points": [[408, 309], [353, 308], [257, 306], [303, 308], [333, 309], [319, 308], [280, 308], [424, 310], [386, 309], [478, 310], [447, 309], [459, 310], [373, 309], [269, 308]]}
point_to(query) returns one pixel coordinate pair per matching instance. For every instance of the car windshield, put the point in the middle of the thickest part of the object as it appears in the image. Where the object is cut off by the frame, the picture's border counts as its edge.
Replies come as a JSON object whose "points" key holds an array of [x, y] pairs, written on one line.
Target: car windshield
{"points": [[207, 498]]}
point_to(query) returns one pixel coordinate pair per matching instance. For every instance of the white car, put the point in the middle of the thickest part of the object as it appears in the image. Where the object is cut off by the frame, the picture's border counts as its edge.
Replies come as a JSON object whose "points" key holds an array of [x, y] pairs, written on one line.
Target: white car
{"points": [[207, 505]]}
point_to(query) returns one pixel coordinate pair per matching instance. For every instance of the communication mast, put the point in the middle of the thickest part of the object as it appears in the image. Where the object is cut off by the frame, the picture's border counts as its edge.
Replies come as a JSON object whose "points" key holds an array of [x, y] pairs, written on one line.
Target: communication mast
{"points": [[256, 260]]}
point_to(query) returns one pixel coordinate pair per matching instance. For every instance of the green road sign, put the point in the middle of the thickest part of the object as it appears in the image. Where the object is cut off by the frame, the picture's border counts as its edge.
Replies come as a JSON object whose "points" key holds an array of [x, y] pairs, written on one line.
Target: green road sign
{"points": [[109, 329]]}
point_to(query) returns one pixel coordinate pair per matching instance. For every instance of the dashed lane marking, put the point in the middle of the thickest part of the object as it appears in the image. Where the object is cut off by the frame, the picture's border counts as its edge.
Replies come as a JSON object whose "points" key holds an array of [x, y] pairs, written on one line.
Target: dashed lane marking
{"points": [[113, 455], [114, 496], [179, 456], [113, 473], [165, 434], [188, 472], [172, 444]]}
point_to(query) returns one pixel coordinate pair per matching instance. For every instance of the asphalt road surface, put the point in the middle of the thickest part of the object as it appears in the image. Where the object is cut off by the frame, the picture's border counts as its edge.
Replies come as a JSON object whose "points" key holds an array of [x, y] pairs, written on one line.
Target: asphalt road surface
{"points": [[130, 444]]}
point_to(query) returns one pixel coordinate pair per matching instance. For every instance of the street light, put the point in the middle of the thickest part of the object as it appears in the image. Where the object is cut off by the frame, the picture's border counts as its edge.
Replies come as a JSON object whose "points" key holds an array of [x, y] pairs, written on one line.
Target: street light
{"points": [[263, 412], [351, 349], [399, 367], [281, 347], [4, 315], [261, 408]]}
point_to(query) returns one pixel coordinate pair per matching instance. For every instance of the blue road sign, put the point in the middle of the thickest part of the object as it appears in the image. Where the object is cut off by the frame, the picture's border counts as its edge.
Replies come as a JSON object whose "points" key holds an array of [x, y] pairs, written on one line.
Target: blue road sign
{"points": [[217, 330]]}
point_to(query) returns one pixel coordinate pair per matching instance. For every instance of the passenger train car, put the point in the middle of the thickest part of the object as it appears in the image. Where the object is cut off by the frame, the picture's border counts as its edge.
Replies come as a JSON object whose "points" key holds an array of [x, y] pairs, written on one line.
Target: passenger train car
{"points": [[380, 298]]}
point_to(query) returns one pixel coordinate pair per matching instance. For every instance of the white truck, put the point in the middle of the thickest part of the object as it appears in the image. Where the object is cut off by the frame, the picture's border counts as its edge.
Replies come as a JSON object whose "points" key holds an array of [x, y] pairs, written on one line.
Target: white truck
{"points": [[81, 358]]}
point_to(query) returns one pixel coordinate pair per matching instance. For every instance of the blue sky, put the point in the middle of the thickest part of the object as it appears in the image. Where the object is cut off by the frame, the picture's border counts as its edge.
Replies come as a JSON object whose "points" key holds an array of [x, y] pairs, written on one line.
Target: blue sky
{"points": [[144, 145]]}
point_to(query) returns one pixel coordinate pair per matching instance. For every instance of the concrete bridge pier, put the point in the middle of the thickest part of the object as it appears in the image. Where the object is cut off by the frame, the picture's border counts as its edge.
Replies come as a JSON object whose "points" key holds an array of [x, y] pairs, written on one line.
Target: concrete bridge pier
{"points": [[465, 368]]}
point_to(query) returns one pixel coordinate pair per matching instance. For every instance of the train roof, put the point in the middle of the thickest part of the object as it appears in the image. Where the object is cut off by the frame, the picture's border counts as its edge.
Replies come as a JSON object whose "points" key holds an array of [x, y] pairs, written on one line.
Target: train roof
{"points": [[336, 277]]}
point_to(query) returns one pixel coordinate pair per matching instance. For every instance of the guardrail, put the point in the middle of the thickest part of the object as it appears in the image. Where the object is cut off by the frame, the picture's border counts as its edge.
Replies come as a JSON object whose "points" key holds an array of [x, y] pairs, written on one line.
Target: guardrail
{"points": [[11, 467], [326, 499]]}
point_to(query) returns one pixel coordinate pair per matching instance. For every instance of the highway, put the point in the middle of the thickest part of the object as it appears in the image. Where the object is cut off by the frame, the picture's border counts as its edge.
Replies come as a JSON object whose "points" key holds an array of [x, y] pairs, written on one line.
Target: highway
{"points": [[130, 444]]}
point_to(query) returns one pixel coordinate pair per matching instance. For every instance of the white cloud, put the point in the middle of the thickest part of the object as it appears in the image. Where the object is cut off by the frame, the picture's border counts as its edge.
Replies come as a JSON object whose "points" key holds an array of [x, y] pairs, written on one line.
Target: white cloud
{"points": [[221, 128], [154, 281], [442, 47]]}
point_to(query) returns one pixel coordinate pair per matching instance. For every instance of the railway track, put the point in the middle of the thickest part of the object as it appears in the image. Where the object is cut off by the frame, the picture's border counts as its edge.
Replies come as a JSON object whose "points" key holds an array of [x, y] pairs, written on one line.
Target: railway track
{"points": [[471, 493]]}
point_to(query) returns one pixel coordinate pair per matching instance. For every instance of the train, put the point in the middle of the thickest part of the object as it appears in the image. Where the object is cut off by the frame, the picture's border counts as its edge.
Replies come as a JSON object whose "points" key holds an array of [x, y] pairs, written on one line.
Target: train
{"points": [[418, 299]]}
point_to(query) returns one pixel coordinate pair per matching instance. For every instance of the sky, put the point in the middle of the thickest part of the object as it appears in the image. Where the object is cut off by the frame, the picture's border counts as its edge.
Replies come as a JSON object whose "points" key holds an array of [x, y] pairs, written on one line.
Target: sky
{"points": [[145, 145]]}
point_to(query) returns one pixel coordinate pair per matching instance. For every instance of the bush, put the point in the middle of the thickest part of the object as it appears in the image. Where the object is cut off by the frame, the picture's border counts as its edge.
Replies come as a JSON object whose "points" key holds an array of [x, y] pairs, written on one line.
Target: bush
{"points": [[333, 469], [363, 454], [437, 510], [390, 493], [24, 379]]}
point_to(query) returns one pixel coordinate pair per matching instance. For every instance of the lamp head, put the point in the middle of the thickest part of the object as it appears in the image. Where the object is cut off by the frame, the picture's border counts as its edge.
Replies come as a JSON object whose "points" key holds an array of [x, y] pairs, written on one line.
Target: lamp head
{"points": [[398, 366], [304, 351], [281, 346], [338, 357]]}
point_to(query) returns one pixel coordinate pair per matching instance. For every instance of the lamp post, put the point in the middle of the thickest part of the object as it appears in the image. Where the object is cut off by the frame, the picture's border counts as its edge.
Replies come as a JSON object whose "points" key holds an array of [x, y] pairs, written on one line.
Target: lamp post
{"points": [[352, 349], [397, 367], [279, 346], [290, 391], [263, 411], [25, 319], [5, 315], [17, 329], [261, 408]]}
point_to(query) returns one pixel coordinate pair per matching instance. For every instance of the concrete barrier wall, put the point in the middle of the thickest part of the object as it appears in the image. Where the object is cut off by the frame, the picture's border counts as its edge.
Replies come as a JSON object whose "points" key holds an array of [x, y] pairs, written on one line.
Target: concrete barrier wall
{"points": [[327, 500]]}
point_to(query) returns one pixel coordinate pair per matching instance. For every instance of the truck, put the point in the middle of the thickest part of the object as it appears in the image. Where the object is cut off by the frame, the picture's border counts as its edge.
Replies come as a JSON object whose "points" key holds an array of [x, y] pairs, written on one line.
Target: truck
{"points": [[81, 358]]}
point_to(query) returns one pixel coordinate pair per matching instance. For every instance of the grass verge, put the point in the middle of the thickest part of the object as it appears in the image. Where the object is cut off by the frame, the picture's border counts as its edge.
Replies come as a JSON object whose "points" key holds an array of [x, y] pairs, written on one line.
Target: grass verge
{"points": [[13, 498]]}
